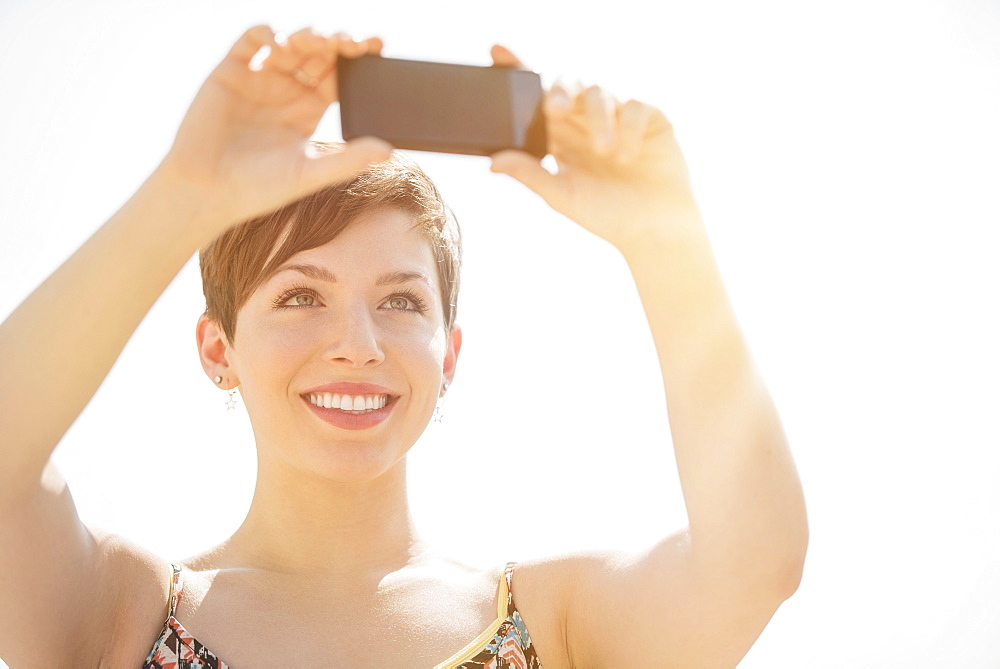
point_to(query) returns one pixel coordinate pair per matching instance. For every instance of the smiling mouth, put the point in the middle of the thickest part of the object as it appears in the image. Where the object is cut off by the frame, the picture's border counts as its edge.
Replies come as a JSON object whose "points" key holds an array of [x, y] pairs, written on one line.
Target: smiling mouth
{"points": [[352, 404]]}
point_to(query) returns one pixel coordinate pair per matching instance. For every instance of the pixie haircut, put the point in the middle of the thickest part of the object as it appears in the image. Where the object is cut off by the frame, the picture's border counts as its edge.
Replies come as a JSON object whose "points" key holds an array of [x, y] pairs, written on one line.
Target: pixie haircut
{"points": [[239, 260]]}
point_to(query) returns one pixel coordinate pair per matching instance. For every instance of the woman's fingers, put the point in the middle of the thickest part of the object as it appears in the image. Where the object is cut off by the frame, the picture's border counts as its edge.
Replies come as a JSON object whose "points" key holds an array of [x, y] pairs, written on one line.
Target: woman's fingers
{"points": [[581, 121], [504, 57], [561, 99], [372, 46], [306, 55], [252, 41], [633, 124], [307, 42], [591, 122], [312, 53], [283, 57], [600, 111], [342, 45]]}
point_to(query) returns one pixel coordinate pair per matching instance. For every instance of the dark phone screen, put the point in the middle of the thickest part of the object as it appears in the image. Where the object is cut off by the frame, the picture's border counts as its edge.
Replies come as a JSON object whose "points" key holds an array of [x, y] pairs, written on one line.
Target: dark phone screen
{"points": [[441, 106]]}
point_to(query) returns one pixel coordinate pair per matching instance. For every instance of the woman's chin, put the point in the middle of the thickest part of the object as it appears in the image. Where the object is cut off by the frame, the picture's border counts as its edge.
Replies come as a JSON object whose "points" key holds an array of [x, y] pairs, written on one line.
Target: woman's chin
{"points": [[351, 464]]}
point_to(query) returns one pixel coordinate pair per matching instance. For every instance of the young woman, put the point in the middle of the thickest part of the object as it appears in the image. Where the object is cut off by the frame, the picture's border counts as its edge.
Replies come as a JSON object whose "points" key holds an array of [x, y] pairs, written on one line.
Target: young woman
{"points": [[331, 277]]}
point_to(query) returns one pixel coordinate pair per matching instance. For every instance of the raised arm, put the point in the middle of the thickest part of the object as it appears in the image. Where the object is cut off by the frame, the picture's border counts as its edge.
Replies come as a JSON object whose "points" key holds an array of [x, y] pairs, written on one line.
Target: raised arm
{"points": [[701, 597], [242, 149]]}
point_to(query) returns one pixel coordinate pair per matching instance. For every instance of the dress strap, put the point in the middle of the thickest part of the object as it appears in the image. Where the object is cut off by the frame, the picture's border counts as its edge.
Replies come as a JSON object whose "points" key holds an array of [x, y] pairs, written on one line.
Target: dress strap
{"points": [[176, 587], [507, 607]]}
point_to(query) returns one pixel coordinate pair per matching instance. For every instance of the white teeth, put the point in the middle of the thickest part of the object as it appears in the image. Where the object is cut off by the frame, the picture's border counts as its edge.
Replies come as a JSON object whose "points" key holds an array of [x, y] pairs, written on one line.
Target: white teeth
{"points": [[353, 403]]}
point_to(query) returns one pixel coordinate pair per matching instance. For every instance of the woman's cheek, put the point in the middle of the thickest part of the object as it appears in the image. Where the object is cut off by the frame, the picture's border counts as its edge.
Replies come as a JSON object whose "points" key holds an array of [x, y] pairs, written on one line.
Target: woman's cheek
{"points": [[439, 344]]}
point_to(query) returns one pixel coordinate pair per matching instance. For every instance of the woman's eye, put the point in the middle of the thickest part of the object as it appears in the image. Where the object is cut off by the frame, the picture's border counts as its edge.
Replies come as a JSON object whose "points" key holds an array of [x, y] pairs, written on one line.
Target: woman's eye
{"points": [[296, 297], [398, 303], [406, 302]]}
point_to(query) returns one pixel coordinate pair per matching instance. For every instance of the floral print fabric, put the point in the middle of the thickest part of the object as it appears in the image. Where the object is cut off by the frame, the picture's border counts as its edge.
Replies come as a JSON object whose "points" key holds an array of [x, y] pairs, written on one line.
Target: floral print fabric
{"points": [[175, 648], [509, 648]]}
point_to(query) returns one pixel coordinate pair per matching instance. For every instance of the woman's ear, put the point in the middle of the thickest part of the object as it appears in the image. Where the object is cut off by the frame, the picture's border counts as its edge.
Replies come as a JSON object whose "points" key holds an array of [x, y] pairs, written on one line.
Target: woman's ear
{"points": [[451, 355], [213, 348]]}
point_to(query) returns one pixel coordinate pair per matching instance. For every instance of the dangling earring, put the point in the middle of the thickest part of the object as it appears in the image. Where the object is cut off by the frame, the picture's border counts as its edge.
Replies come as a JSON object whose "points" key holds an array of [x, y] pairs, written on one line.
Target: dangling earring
{"points": [[439, 408], [231, 402]]}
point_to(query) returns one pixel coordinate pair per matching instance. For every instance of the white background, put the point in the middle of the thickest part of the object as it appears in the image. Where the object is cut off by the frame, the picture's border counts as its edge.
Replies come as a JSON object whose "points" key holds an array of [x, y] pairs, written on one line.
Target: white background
{"points": [[846, 159]]}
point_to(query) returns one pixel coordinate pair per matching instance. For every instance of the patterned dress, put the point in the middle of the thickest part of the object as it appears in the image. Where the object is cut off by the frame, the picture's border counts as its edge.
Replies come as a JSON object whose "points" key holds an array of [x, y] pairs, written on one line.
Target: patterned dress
{"points": [[505, 644]]}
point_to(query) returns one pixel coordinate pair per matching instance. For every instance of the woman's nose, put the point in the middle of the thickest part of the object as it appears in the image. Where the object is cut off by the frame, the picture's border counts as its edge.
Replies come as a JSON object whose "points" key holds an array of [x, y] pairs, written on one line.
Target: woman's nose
{"points": [[353, 339]]}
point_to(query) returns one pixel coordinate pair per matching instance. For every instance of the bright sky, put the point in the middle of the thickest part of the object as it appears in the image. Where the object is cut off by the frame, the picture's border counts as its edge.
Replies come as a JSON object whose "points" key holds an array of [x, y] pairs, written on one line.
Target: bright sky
{"points": [[846, 159]]}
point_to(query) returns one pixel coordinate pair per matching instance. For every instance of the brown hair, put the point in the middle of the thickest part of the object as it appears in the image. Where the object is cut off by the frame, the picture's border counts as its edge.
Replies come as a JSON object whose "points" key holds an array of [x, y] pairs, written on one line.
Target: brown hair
{"points": [[239, 260]]}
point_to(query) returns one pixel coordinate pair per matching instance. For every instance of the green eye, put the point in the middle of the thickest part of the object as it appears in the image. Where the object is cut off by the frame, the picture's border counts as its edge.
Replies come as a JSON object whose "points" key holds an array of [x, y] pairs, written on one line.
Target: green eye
{"points": [[398, 303], [297, 296], [407, 301]]}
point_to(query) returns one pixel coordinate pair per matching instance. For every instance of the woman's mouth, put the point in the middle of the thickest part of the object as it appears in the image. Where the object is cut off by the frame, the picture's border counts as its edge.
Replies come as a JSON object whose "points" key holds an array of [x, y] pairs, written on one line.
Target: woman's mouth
{"points": [[352, 404]]}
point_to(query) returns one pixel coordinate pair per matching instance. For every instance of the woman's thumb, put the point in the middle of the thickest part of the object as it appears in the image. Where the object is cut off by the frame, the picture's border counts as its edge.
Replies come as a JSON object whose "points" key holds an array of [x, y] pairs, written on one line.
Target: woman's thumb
{"points": [[330, 166], [526, 169]]}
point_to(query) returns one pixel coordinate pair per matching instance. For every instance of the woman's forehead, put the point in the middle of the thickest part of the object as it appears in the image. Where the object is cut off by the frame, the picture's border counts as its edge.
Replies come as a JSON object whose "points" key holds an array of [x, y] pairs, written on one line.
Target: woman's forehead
{"points": [[390, 238], [383, 246]]}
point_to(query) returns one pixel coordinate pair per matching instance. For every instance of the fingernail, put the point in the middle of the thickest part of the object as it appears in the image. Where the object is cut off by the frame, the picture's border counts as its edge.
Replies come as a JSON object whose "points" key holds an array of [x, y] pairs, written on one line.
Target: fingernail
{"points": [[558, 98]]}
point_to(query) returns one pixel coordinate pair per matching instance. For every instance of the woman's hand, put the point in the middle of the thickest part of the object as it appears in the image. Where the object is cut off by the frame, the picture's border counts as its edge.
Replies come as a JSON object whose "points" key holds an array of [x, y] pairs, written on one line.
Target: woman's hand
{"points": [[243, 147], [620, 172]]}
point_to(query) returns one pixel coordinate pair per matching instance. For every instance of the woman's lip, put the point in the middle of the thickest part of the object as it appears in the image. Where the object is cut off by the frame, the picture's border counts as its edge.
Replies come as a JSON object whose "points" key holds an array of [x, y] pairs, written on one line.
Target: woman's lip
{"points": [[350, 388], [352, 421]]}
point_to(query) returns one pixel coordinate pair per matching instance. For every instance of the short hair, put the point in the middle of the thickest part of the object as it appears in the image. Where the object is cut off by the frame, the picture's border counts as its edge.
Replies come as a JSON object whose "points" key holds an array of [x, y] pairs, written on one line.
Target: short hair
{"points": [[239, 260]]}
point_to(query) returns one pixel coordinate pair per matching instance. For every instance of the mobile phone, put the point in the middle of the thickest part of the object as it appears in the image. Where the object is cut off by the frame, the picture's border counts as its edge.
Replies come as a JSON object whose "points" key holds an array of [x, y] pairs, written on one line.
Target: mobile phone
{"points": [[445, 107]]}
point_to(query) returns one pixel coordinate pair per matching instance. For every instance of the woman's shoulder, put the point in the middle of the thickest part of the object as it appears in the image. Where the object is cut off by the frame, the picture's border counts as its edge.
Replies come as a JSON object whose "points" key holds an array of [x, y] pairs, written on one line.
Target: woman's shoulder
{"points": [[546, 590], [136, 584], [559, 576]]}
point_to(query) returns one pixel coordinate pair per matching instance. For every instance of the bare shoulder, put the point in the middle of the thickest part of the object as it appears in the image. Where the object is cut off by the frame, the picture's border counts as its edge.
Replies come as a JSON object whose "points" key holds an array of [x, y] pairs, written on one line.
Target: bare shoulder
{"points": [[547, 592], [72, 594], [654, 607], [577, 604], [136, 585]]}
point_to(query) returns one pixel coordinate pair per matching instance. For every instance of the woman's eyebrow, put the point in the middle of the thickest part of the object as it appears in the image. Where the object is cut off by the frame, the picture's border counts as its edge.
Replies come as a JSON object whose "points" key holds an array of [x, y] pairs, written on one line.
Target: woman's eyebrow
{"points": [[395, 278], [323, 274], [311, 271]]}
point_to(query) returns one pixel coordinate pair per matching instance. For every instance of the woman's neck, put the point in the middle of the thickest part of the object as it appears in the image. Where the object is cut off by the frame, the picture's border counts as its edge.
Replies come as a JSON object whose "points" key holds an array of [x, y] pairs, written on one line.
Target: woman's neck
{"points": [[304, 525]]}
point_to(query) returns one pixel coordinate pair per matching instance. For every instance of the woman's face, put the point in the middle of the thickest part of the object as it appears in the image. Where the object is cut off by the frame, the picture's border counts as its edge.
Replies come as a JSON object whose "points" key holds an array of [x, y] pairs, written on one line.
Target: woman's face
{"points": [[341, 355]]}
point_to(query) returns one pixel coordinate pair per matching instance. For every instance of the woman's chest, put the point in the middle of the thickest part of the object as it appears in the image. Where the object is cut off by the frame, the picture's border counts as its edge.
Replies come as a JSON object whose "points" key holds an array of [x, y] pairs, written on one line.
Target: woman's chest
{"points": [[417, 625]]}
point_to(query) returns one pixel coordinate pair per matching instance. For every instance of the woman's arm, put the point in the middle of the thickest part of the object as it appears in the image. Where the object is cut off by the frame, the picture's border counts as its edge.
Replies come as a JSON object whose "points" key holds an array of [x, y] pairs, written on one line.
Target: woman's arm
{"points": [[242, 149], [701, 597]]}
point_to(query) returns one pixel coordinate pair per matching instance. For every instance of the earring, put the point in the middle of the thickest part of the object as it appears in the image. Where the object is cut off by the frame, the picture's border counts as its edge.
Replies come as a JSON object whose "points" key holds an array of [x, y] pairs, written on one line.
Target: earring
{"points": [[439, 408], [231, 402]]}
